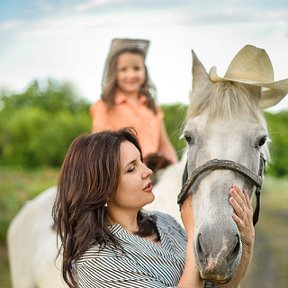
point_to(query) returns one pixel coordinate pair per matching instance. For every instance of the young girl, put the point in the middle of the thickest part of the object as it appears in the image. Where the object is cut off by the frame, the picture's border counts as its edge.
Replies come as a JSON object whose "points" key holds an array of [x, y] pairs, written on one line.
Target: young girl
{"points": [[108, 240], [126, 99]]}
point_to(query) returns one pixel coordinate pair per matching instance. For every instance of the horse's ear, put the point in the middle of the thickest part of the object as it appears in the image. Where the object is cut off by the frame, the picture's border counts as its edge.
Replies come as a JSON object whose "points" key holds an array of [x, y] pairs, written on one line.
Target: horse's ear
{"points": [[200, 78]]}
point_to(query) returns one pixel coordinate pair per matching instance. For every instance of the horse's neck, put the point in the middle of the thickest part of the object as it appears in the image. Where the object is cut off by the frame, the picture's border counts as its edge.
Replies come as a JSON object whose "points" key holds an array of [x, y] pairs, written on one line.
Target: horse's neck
{"points": [[167, 189]]}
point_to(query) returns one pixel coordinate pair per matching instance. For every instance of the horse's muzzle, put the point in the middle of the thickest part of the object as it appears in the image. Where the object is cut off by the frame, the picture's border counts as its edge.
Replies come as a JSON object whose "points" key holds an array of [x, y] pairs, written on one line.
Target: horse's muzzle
{"points": [[219, 264]]}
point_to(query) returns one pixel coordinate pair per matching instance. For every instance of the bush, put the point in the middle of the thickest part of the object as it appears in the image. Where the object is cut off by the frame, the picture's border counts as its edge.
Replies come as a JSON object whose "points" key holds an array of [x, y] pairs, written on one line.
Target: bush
{"points": [[37, 126], [278, 131], [35, 135], [174, 119]]}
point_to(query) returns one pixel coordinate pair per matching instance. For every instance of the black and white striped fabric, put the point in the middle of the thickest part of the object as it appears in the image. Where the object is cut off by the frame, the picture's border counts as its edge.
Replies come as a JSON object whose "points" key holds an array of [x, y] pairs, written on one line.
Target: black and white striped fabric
{"points": [[143, 263]]}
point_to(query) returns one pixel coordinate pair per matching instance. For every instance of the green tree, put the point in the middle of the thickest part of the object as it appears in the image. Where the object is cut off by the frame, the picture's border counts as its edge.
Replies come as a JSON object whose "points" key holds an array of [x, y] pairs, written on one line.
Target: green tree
{"points": [[49, 95], [38, 125], [174, 120], [278, 131]]}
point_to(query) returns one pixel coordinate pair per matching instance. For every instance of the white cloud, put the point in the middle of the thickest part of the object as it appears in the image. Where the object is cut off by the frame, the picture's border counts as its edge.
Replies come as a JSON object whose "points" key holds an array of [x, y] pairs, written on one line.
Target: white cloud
{"points": [[74, 48], [11, 25], [92, 4], [44, 6]]}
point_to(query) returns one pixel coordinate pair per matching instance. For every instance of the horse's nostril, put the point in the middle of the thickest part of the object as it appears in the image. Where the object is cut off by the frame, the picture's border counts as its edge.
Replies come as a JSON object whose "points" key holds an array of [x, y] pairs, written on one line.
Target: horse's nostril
{"points": [[236, 249], [200, 247]]}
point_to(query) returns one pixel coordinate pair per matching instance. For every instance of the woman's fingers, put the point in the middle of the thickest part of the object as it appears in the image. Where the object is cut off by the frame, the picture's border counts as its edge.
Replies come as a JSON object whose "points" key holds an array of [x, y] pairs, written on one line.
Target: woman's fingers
{"points": [[237, 201], [243, 214], [238, 195], [247, 200]]}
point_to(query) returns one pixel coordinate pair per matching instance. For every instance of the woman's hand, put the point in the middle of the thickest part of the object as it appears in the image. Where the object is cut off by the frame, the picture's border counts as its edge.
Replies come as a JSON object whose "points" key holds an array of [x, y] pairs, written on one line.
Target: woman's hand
{"points": [[243, 215], [191, 276], [187, 216]]}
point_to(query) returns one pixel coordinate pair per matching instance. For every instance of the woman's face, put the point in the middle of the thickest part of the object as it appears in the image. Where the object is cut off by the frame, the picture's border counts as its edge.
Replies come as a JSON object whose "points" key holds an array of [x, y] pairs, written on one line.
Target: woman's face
{"points": [[135, 186], [130, 75]]}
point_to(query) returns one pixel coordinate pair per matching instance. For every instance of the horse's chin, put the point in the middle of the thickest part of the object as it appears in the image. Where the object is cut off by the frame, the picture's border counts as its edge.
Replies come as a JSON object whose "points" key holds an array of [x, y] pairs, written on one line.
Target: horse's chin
{"points": [[217, 279]]}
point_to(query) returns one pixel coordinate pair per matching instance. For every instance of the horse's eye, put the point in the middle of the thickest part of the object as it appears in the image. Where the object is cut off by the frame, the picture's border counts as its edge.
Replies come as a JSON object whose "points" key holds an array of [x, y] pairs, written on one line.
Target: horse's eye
{"points": [[262, 141], [188, 139]]}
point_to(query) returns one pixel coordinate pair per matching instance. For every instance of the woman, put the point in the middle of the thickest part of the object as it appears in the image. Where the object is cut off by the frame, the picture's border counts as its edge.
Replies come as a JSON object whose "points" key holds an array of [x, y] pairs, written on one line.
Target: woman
{"points": [[107, 239]]}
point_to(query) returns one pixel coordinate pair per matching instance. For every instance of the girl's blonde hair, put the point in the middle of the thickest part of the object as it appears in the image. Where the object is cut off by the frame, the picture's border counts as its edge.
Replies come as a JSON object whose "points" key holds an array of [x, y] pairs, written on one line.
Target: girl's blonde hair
{"points": [[109, 83]]}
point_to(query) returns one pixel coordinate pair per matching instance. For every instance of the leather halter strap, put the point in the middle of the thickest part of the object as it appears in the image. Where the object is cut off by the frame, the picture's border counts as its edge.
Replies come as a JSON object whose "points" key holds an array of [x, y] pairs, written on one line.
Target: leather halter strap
{"points": [[218, 164]]}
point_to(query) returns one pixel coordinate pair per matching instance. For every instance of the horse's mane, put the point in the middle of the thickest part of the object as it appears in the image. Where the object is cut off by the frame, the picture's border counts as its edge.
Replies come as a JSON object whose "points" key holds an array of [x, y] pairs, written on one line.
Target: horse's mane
{"points": [[225, 100], [228, 100]]}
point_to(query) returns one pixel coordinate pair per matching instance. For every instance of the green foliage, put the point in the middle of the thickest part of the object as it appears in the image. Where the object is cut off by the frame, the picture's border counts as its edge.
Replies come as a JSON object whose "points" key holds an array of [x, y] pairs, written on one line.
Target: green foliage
{"points": [[278, 131], [38, 125], [18, 186], [174, 119], [49, 95]]}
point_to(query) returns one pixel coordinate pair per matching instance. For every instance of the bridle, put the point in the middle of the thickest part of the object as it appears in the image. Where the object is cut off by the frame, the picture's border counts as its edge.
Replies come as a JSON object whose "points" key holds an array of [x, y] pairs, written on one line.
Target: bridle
{"points": [[218, 164]]}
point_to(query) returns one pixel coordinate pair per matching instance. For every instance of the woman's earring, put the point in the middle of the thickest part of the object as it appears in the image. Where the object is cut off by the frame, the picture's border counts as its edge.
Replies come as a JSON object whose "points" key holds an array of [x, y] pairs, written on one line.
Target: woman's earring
{"points": [[106, 203]]}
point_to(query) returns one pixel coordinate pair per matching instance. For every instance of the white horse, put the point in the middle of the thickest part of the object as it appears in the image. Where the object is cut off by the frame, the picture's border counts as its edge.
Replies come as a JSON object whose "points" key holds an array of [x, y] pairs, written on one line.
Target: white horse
{"points": [[224, 122], [32, 245]]}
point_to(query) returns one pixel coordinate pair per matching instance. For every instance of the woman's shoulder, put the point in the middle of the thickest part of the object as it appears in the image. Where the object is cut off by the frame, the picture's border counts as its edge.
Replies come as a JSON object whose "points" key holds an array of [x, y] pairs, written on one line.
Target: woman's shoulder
{"points": [[97, 252], [166, 220], [169, 226], [161, 215]]}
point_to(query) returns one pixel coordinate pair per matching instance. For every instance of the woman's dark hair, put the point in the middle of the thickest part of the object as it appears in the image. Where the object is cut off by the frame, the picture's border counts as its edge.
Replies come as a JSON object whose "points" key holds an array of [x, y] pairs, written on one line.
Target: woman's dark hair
{"points": [[110, 84], [89, 177]]}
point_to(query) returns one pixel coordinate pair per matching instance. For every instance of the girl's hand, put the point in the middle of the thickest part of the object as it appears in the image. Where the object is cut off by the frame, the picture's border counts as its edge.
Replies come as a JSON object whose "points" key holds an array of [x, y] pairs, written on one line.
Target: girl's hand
{"points": [[187, 216], [243, 215]]}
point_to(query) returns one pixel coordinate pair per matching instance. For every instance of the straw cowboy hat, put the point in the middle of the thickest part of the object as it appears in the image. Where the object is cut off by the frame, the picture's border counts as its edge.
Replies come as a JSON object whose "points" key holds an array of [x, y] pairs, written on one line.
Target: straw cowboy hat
{"points": [[252, 66], [119, 44]]}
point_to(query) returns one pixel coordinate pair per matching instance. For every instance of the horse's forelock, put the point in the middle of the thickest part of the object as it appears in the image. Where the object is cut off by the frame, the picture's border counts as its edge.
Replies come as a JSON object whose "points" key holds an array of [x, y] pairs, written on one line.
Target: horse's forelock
{"points": [[225, 100], [228, 100]]}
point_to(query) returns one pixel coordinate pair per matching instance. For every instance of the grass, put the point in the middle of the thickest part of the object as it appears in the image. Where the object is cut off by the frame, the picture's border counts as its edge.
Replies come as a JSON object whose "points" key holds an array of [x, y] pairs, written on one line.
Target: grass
{"points": [[16, 187], [269, 268]]}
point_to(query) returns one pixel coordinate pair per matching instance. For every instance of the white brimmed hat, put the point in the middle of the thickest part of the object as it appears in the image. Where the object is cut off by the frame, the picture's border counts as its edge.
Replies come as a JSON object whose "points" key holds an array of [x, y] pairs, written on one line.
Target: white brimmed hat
{"points": [[252, 66], [119, 44]]}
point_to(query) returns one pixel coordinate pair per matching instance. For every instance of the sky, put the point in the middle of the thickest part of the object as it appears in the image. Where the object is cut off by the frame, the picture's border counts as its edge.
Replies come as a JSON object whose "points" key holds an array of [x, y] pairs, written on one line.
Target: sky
{"points": [[69, 40]]}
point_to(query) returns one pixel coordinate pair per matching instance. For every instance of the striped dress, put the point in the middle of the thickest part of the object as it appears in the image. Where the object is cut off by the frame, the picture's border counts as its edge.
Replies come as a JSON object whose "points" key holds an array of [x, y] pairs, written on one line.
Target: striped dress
{"points": [[142, 263]]}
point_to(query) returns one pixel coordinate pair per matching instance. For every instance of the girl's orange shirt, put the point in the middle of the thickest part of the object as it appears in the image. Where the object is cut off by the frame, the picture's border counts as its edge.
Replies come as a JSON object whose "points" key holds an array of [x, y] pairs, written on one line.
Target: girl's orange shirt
{"points": [[126, 113]]}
